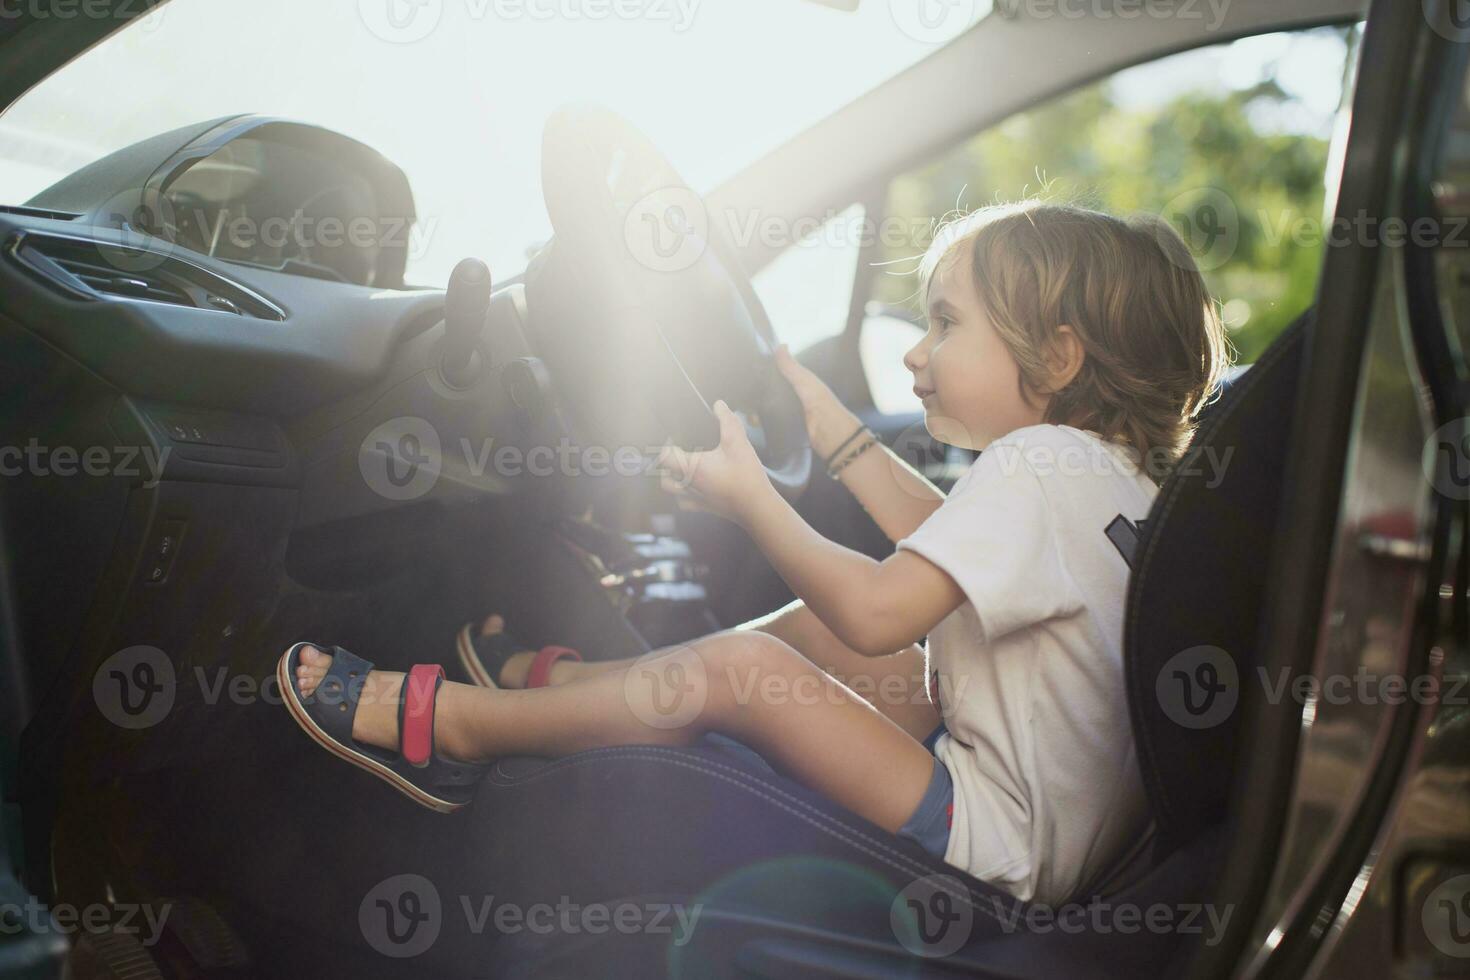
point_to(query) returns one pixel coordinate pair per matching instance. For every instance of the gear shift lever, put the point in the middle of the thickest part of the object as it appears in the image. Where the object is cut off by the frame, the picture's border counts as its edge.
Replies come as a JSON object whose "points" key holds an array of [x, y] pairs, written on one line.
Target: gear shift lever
{"points": [[465, 304]]}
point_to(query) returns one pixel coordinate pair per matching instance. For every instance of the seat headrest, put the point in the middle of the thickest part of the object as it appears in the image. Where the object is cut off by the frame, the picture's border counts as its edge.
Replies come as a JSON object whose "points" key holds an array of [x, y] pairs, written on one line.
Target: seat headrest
{"points": [[1197, 590]]}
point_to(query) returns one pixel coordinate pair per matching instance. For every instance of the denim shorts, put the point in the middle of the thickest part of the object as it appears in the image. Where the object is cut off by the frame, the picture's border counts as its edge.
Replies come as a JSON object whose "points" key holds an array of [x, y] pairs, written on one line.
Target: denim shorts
{"points": [[929, 826]]}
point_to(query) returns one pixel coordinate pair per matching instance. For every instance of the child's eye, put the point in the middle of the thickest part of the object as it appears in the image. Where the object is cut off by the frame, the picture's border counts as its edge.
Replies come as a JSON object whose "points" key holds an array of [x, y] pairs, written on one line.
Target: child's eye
{"points": [[941, 323]]}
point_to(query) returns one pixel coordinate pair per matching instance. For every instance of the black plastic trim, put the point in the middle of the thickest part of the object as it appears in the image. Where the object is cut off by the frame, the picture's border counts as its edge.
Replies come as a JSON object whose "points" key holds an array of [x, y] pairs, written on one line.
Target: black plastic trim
{"points": [[28, 249], [1312, 488], [1443, 65]]}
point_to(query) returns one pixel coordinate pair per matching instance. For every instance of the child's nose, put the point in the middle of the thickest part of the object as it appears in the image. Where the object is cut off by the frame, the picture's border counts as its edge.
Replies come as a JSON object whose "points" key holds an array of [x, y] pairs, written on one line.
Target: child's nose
{"points": [[916, 357]]}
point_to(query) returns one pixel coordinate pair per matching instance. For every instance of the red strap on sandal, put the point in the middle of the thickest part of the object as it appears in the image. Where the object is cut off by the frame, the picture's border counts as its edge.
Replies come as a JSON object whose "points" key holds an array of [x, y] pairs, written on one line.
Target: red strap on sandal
{"points": [[416, 726], [540, 672]]}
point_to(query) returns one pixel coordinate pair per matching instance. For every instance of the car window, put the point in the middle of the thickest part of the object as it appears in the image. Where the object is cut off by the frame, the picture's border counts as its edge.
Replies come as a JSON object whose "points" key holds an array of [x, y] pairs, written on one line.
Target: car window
{"points": [[807, 288], [456, 93], [1230, 143]]}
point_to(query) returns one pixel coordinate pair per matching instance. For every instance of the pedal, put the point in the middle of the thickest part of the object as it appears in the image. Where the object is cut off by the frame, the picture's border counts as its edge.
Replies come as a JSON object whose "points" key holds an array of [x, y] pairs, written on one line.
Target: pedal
{"points": [[211, 942], [111, 955]]}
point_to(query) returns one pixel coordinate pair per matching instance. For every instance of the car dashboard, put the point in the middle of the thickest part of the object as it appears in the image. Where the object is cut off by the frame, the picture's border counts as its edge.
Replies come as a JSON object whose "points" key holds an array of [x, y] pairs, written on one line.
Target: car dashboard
{"points": [[243, 265], [277, 206], [204, 403]]}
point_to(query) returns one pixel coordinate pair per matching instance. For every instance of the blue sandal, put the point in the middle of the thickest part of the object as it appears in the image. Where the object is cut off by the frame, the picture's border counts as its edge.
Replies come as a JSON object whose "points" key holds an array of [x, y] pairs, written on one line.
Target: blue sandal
{"points": [[483, 657], [415, 770]]}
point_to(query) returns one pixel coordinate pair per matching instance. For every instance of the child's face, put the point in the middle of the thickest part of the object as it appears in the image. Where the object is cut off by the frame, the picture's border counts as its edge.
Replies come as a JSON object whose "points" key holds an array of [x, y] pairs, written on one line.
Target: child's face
{"points": [[970, 383]]}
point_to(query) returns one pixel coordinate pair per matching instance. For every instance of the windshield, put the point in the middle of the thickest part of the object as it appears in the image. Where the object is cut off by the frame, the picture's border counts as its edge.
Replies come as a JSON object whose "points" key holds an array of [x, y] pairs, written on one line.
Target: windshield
{"points": [[455, 91]]}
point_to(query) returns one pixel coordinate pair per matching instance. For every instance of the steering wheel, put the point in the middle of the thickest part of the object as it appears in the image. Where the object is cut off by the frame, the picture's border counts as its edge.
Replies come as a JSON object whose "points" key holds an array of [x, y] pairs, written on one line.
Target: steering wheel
{"points": [[641, 310]]}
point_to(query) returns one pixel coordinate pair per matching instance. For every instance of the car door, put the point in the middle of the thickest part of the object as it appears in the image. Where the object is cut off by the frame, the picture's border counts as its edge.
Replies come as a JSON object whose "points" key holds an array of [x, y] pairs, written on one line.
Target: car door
{"points": [[1353, 856]]}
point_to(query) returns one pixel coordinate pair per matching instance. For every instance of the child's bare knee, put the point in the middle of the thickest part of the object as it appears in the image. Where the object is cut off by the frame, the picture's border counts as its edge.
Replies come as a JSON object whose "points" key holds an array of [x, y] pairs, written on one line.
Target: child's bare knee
{"points": [[749, 650], [744, 665]]}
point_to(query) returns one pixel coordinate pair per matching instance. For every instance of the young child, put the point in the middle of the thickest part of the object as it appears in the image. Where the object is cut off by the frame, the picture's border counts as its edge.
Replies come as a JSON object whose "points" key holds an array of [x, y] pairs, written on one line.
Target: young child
{"points": [[1074, 348]]}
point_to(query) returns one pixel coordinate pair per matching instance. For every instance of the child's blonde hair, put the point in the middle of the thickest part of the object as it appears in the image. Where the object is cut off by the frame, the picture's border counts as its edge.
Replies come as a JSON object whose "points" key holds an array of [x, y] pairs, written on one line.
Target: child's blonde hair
{"points": [[1155, 346]]}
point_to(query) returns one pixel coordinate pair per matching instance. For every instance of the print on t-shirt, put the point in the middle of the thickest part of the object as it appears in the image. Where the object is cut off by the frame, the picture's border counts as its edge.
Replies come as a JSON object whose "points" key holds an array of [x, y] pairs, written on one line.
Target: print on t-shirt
{"points": [[1125, 534]]}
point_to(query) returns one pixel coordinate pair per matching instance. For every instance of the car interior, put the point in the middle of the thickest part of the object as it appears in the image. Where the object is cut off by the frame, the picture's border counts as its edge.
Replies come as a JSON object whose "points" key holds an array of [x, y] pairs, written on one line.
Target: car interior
{"points": [[300, 442]]}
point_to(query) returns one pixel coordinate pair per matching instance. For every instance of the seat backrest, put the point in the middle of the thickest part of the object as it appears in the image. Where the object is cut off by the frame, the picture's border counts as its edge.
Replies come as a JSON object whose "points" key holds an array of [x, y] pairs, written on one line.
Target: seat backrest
{"points": [[1197, 590]]}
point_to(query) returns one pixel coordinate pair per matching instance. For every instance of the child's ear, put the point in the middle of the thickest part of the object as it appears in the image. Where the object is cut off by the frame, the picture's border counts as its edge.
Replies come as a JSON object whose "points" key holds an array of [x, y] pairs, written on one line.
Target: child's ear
{"points": [[1064, 357]]}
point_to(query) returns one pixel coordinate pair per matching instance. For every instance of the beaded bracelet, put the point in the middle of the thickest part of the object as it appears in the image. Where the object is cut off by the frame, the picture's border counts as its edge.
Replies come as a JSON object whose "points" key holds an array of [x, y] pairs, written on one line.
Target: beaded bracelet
{"points": [[846, 461]]}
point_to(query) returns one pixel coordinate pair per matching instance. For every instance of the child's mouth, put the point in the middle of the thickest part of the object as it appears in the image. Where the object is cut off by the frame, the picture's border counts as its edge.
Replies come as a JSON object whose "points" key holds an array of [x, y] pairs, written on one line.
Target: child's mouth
{"points": [[923, 393]]}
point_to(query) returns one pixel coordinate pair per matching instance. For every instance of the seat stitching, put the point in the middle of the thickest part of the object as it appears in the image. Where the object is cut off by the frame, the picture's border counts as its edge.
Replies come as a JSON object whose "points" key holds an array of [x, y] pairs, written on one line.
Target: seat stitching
{"points": [[841, 832], [844, 833], [656, 750]]}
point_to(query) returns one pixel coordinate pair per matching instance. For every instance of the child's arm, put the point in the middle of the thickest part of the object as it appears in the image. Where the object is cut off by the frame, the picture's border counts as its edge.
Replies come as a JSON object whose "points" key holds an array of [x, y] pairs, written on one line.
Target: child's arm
{"points": [[876, 608], [893, 493]]}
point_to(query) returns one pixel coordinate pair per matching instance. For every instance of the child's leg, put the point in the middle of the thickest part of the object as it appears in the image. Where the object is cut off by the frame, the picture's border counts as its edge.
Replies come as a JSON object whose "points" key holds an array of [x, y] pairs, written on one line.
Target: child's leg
{"points": [[893, 684], [748, 685]]}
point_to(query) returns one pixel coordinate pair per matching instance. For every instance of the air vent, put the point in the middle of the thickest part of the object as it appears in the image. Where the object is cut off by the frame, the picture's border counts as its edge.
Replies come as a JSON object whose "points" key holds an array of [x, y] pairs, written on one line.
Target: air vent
{"points": [[95, 269], [30, 212], [103, 278]]}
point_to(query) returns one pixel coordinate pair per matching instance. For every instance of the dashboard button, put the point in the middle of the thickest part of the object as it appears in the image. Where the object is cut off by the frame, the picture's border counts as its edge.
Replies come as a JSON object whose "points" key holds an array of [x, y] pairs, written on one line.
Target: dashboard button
{"points": [[163, 549]]}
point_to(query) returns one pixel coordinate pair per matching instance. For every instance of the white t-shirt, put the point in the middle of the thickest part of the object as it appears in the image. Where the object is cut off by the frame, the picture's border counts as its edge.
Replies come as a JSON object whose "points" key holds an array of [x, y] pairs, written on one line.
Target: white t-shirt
{"points": [[1028, 673]]}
